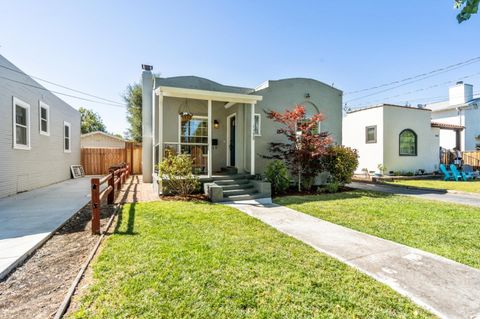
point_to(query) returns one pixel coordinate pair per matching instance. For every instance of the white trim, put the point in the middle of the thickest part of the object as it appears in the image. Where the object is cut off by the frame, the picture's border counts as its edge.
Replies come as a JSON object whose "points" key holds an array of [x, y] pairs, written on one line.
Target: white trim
{"points": [[252, 140], [26, 106], [207, 95], [228, 163], [67, 124], [230, 104], [259, 124], [160, 127], [43, 105], [209, 127]]}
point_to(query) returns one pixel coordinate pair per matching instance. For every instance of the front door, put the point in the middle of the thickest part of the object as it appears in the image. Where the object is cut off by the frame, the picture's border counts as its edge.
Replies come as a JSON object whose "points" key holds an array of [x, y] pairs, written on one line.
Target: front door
{"points": [[232, 141]]}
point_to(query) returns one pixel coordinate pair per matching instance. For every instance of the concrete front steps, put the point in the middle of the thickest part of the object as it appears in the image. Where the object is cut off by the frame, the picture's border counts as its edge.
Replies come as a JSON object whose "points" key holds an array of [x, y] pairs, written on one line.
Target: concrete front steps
{"points": [[239, 187]]}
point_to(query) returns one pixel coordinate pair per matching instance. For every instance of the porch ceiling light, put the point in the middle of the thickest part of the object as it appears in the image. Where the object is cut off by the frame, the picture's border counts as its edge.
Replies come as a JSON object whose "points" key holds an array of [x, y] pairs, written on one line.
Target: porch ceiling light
{"points": [[185, 113]]}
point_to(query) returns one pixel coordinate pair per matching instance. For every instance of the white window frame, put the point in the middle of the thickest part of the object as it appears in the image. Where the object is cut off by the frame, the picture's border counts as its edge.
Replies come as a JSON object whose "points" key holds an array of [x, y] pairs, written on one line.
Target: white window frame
{"points": [[42, 105], [258, 115], [25, 105], [67, 124]]}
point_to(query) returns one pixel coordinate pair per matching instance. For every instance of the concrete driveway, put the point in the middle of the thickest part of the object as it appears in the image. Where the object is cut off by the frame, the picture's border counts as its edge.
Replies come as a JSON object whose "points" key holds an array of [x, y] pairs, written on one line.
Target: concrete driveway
{"points": [[28, 219]]}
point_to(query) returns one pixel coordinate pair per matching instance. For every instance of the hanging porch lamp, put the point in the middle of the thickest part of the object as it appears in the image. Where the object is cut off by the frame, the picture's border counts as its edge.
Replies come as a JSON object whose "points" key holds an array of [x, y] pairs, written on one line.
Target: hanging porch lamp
{"points": [[185, 113]]}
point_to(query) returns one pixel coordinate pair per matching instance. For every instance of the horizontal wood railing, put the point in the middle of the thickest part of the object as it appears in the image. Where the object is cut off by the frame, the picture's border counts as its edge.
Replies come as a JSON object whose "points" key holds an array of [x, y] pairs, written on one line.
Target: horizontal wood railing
{"points": [[116, 178]]}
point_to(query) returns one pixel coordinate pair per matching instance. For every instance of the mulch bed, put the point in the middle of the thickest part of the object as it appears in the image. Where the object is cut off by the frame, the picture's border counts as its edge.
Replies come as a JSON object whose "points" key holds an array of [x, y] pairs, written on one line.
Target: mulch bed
{"points": [[38, 286], [313, 191], [189, 198]]}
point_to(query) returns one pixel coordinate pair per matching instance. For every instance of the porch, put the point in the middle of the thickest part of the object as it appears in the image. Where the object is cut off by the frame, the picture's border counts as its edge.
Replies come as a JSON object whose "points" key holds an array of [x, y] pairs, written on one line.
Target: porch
{"points": [[217, 129]]}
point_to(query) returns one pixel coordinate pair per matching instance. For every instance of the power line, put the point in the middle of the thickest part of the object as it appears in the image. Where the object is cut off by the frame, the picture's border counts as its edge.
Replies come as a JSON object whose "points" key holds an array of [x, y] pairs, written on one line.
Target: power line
{"points": [[420, 90], [445, 69], [62, 86], [65, 94]]}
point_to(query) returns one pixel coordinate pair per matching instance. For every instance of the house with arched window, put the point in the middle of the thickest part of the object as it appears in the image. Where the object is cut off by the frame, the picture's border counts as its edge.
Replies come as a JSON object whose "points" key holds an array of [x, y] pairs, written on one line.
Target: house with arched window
{"points": [[393, 138]]}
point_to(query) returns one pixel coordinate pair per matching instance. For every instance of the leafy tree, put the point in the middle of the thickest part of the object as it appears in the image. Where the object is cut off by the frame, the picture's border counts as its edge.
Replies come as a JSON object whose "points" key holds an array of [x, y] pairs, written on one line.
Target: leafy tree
{"points": [[91, 121], [133, 97], [467, 8], [305, 146]]}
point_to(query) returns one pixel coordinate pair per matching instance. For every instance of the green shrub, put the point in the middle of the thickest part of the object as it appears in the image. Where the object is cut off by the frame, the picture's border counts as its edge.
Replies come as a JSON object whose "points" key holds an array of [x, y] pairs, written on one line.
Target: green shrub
{"points": [[277, 174], [175, 171], [341, 162], [332, 187]]}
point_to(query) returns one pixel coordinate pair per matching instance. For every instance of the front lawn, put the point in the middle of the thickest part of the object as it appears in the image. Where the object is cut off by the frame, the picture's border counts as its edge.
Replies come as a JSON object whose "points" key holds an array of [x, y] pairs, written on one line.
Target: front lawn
{"points": [[470, 186], [445, 229], [198, 260]]}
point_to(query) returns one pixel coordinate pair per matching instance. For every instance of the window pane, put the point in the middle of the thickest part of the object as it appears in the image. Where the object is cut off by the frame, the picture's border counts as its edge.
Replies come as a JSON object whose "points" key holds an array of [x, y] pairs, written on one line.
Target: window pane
{"points": [[407, 143], [67, 144], [371, 134], [44, 125], [67, 131], [21, 115], [256, 125], [21, 135], [43, 113]]}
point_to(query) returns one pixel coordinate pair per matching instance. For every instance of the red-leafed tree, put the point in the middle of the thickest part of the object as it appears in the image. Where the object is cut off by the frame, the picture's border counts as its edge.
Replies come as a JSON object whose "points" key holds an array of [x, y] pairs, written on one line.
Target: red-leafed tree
{"points": [[305, 147]]}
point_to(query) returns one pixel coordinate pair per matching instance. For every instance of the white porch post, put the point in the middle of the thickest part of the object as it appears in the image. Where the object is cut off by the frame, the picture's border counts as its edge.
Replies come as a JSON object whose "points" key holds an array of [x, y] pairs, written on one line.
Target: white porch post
{"points": [[252, 140], [160, 128], [209, 138]]}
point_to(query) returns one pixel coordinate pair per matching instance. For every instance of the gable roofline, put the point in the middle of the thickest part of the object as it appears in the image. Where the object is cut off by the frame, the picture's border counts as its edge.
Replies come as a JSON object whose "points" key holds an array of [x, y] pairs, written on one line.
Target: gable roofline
{"points": [[105, 134]]}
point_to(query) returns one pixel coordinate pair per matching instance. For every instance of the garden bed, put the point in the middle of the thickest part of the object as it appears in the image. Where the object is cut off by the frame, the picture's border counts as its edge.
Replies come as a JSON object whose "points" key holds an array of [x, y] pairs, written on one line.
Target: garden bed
{"points": [[38, 286]]}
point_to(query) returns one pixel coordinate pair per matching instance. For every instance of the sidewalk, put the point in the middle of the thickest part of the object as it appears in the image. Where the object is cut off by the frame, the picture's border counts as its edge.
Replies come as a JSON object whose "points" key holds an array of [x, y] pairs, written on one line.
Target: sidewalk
{"points": [[28, 219], [457, 198], [442, 286]]}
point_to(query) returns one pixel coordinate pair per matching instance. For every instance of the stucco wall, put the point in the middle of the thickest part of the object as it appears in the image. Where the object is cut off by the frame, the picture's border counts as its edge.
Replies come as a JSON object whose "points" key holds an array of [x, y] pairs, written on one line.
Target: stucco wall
{"points": [[46, 162], [396, 120], [285, 94], [472, 128], [447, 137], [100, 141], [354, 125]]}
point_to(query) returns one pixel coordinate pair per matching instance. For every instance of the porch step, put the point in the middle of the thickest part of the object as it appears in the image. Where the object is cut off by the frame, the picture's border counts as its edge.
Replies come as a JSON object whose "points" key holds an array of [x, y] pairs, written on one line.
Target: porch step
{"points": [[239, 191], [235, 186], [243, 197], [230, 182]]}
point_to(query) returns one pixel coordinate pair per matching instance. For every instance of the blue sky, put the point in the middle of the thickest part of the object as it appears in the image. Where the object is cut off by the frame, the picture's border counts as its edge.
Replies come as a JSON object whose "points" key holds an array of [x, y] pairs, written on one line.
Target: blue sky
{"points": [[98, 46]]}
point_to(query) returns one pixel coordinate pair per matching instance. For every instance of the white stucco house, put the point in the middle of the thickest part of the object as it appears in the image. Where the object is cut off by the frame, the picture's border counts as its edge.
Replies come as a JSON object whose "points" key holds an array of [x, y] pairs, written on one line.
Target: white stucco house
{"points": [[397, 138], [462, 110]]}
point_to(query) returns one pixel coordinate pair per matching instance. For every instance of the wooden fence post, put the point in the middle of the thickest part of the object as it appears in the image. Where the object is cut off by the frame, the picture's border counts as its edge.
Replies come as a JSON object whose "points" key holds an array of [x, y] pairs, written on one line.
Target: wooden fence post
{"points": [[95, 206], [111, 182]]}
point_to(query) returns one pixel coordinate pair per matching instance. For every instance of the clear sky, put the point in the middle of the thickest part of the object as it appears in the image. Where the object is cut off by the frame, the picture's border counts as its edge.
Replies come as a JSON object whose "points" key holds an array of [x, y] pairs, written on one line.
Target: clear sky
{"points": [[98, 46]]}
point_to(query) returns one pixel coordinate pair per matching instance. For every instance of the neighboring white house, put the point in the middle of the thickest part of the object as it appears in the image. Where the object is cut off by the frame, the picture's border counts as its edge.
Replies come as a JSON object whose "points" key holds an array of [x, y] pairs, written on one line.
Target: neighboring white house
{"points": [[462, 110], [397, 138], [99, 139], [39, 133]]}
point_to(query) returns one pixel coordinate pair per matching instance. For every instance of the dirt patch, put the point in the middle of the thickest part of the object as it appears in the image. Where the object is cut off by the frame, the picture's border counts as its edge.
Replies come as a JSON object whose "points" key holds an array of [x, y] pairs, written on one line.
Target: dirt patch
{"points": [[189, 198], [37, 287]]}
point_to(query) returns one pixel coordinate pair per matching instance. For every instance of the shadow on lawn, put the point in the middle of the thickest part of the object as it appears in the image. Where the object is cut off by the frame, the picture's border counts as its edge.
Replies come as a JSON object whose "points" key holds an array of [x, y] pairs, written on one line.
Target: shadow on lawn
{"points": [[130, 222]]}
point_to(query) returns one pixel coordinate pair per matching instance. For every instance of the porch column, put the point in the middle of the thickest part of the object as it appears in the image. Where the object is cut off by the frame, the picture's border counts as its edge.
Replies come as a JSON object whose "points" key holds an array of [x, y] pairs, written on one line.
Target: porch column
{"points": [[160, 128], [252, 140], [209, 168]]}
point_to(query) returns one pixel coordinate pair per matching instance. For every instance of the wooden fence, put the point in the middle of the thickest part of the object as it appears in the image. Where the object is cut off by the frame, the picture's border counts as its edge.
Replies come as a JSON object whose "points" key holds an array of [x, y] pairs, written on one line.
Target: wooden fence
{"points": [[97, 161], [471, 158]]}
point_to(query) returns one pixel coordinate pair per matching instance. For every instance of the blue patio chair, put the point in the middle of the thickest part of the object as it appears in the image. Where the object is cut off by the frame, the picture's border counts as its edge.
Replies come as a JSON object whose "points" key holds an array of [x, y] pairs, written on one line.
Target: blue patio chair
{"points": [[447, 176], [469, 170], [460, 175]]}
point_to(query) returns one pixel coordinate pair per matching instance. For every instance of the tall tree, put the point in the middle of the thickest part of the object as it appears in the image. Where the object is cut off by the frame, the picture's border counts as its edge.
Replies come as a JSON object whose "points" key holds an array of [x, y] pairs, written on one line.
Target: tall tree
{"points": [[133, 97], [91, 121], [467, 8]]}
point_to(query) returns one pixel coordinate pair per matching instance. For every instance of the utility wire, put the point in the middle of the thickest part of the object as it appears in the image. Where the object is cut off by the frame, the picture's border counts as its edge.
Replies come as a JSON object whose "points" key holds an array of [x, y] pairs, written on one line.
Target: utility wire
{"points": [[62, 86], [421, 89], [65, 94], [447, 68]]}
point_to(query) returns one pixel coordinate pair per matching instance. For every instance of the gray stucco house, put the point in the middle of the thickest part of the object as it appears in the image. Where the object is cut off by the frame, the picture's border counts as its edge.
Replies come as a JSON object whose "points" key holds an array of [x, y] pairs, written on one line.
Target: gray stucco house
{"points": [[229, 127], [39, 133]]}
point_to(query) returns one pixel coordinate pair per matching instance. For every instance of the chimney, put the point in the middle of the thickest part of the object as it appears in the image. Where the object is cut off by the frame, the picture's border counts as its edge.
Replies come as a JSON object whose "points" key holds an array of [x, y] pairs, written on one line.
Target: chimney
{"points": [[147, 127], [461, 93]]}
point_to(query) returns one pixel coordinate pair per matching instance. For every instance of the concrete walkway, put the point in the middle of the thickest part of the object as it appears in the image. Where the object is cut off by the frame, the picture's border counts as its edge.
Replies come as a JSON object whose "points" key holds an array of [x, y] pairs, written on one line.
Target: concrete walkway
{"points": [[444, 287], [28, 219], [457, 198]]}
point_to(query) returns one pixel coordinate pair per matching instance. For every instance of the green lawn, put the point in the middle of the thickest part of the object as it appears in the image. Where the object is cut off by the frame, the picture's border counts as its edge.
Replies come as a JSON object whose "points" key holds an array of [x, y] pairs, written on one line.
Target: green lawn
{"points": [[470, 186], [198, 260], [445, 229]]}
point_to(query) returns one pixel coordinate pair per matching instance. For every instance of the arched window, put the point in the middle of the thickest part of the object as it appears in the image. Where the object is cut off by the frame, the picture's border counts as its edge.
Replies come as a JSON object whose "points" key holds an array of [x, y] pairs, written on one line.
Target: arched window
{"points": [[310, 110], [408, 143]]}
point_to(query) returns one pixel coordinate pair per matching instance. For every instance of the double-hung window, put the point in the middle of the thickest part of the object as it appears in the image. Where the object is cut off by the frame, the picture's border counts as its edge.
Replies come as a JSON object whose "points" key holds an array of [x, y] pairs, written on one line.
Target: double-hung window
{"points": [[44, 118], [257, 125], [67, 128], [21, 124], [371, 134]]}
